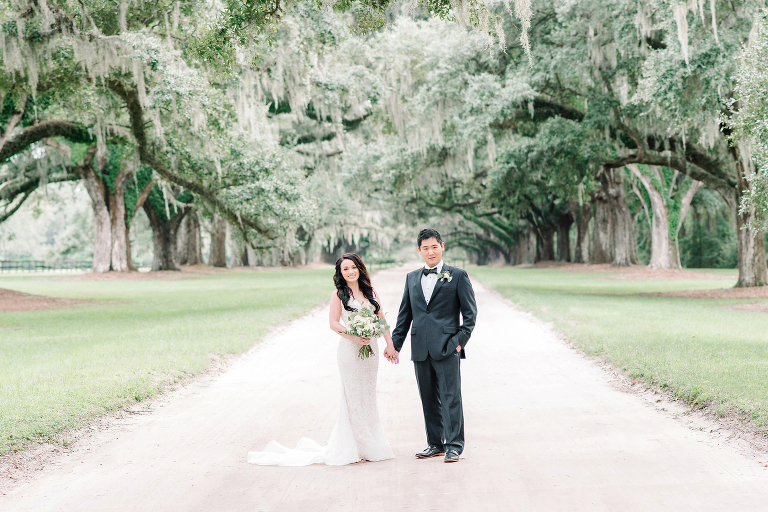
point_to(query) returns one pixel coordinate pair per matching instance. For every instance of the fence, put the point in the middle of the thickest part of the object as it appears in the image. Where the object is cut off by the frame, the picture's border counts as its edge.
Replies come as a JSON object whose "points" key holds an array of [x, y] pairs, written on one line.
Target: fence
{"points": [[20, 266]]}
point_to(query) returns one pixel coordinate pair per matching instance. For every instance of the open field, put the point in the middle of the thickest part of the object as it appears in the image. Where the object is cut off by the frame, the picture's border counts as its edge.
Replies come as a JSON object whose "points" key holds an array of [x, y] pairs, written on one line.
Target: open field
{"points": [[706, 348], [113, 342]]}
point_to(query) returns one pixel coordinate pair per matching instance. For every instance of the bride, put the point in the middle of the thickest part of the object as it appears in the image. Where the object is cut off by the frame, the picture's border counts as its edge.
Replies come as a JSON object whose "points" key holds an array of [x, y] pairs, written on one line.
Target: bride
{"points": [[358, 434]]}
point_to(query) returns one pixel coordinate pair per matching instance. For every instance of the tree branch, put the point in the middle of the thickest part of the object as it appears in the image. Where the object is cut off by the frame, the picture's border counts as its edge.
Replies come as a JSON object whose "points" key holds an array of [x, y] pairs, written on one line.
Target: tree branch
{"points": [[325, 154], [44, 129], [136, 114], [25, 189], [677, 163], [13, 120], [144, 195], [7, 213]]}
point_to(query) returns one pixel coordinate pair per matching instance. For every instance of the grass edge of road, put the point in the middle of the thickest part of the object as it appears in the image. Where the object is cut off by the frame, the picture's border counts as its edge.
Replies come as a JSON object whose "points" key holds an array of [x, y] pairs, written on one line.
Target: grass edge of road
{"points": [[133, 340], [687, 348]]}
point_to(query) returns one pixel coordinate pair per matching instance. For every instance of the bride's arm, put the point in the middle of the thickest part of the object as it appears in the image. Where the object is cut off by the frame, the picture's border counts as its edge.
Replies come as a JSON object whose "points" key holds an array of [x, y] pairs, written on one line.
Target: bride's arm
{"points": [[336, 325], [387, 333]]}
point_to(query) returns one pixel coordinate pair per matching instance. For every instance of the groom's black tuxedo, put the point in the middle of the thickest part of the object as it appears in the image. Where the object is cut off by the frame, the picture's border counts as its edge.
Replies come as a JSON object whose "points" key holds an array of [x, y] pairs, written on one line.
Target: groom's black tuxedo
{"points": [[436, 331]]}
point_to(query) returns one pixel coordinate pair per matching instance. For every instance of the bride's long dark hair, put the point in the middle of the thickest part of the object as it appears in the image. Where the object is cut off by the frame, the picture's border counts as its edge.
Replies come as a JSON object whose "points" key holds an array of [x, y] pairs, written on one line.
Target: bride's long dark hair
{"points": [[364, 281]]}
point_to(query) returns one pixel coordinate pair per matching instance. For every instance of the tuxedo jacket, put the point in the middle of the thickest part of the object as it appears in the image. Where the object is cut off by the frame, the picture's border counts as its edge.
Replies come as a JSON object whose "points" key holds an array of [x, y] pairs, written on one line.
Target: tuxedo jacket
{"points": [[437, 329]]}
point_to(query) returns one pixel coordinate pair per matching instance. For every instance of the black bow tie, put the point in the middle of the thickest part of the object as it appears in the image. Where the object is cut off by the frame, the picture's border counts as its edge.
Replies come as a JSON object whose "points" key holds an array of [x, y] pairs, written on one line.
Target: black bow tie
{"points": [[427, 271]]}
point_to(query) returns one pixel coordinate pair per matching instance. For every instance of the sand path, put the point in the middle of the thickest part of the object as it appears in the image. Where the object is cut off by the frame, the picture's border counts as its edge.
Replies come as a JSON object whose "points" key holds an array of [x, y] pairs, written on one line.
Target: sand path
{"points": [[546, 431]]}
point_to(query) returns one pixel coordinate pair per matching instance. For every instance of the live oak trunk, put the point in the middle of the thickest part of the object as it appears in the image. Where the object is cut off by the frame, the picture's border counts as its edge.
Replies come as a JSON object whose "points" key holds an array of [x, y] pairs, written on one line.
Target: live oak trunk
{"points": [[661, 241], [301, 256], [120, 246], [624, 241], [194, 246], [110, 237], [526, 247], [181, 241], [545, 242], [564, 223], [582, 232], [665, 252], [131, 264], [752, 263], [602, 249], [238, 258], [102, 231], [684, 207], [189, 246], [613, 238], [164, 233], [142, 197], [218, 257]]}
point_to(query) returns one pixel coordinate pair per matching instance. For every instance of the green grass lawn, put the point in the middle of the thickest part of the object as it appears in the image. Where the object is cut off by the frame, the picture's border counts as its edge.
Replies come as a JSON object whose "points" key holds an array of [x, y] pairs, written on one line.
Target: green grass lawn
{"points": [[59, 368], [697, 349]]}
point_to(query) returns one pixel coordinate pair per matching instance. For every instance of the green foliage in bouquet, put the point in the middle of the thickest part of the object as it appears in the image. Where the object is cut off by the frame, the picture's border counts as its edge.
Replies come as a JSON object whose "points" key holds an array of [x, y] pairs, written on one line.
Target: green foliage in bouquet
{"points": [[366, 324]]}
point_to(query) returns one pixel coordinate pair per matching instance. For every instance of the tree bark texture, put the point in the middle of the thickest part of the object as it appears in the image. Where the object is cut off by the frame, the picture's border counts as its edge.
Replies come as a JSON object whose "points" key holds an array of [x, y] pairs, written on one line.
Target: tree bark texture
{"points": [[614, 234], [302, 255], [665, 251], [752, 264], [129, 257], [164, 233], [102, 230], [564, 223], [624, 241], [189, 246], [661, 241], [545, 242], [602, 247], [526, 247], [582, 232], [236, 257], [110, 239], [120, 245], [43, 130], [218, 257]]}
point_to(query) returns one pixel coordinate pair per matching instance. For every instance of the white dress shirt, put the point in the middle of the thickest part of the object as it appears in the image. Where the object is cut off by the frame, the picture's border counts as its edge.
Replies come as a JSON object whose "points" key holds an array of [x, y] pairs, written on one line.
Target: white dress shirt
{"points": [[429, 281]]}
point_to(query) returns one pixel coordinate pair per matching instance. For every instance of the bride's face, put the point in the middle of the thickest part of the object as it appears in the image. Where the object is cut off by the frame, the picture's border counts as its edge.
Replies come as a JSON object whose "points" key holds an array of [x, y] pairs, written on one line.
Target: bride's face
{"points": [[349, 271]]}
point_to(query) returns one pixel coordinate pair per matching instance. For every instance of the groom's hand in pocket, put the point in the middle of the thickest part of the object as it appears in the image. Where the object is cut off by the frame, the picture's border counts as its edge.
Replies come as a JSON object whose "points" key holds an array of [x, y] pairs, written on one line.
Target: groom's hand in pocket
{"points": [[458, 349]]}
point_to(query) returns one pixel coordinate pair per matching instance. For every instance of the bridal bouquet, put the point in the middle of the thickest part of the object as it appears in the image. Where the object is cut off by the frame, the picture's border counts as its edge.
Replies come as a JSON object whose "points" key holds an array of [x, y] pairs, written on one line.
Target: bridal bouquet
{"points": [[365, 324]]}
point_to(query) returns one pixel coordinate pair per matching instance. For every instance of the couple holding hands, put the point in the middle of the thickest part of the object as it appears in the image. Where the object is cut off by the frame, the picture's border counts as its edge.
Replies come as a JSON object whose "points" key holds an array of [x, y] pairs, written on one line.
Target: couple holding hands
{"points": [[439, 308]]}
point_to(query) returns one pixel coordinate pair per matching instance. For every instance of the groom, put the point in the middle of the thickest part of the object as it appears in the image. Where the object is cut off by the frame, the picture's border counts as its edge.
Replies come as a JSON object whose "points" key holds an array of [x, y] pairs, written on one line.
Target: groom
{"points": [[433, 298]]}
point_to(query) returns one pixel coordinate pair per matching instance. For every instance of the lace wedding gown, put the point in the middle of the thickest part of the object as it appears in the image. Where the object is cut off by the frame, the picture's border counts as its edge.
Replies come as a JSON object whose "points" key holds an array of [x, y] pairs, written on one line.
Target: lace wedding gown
{"points": [[358, 433]]}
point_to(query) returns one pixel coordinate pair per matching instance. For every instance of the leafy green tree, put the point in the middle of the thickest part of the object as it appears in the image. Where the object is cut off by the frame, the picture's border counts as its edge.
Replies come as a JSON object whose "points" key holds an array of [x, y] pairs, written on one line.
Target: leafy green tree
{"points": [[92, 71]]}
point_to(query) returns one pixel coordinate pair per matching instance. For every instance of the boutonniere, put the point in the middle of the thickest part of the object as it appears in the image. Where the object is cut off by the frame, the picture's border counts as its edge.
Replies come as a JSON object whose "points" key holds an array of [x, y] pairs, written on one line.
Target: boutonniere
{"points": [[445, 276]]}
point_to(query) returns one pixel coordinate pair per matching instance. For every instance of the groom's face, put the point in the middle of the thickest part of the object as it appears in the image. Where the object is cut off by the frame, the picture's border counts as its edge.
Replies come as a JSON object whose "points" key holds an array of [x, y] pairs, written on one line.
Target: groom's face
{"points": [[431, 251]]}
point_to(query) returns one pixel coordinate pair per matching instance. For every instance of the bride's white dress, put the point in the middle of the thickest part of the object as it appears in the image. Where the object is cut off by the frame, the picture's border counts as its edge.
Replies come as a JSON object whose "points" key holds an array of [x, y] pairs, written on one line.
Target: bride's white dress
{"points": [[358, 433]]}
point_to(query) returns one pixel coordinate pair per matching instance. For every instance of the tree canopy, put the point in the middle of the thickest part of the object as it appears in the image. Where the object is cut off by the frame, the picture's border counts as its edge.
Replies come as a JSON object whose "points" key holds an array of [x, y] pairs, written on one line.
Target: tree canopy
{"points": [[306, 123]]}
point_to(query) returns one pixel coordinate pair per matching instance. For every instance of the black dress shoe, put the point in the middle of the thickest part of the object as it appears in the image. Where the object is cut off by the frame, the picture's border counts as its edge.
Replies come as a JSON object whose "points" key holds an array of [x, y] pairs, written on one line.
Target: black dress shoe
{"points": [[431, 451], [451, 456]]}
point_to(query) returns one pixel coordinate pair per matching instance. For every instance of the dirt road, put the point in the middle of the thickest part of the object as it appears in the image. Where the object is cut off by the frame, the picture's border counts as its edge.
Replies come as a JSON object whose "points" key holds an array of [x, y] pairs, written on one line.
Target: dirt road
{"points": [[546, 431]]}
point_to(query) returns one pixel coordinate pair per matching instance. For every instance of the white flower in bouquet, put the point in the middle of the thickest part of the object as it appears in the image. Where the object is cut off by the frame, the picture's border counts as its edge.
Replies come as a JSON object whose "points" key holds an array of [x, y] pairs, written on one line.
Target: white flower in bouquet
{"points": [[364, 323]]}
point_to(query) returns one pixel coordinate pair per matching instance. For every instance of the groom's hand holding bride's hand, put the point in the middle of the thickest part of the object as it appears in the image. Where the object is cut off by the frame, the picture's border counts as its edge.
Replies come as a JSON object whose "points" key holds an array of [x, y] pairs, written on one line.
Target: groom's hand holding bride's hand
{"points": [[392, 355]]}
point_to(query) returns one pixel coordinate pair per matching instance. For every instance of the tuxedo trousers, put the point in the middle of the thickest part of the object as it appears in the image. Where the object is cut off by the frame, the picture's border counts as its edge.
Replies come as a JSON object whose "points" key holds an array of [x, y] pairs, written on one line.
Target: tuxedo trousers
{"points": [[440, 390]]}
